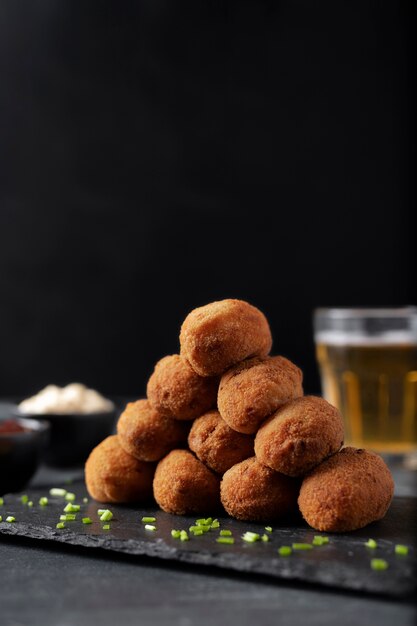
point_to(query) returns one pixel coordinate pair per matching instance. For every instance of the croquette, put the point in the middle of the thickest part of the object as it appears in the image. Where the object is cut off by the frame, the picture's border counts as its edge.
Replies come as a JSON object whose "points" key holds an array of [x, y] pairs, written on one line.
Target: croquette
{"points": [[183, 485], [175, 390], [299, 436], [216, 444], [216, 336], [250, 391], [250, 491], [146, 434], [349, 490], [112, 475]]}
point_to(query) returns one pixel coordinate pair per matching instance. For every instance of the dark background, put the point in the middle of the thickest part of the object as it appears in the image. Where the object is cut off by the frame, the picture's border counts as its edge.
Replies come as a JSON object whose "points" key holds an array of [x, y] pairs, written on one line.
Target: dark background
{"points": [[157, 155]]}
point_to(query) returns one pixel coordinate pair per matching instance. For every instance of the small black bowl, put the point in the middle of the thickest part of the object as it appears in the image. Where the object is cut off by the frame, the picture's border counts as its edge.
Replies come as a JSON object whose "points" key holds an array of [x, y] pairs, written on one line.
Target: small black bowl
{"points": [[74, 435], [21, 453]]}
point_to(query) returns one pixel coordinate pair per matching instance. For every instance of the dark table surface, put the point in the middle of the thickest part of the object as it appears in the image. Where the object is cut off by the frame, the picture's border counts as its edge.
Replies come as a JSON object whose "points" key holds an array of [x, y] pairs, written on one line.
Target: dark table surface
{"points": [[46, 584]]}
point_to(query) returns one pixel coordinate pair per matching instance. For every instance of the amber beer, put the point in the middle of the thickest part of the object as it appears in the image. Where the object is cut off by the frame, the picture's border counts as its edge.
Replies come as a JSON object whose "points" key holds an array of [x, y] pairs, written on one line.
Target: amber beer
{"points": [[372, 379]]}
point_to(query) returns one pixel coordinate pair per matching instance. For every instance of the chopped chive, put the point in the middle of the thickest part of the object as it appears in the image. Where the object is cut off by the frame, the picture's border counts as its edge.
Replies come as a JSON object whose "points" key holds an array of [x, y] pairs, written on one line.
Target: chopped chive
{"points": [[148, 526], [319, 540], [148, 520], [215, 524], [197, 533], [43, 501], [70, 496], [106, 527], [209, 521], [228, 540], [10, 519], [284, 551], [302, 546], [204, 529], [100, 511], [87, 520], [184, 535], [400, 549], [68, 517], [250, 537], [1, 501], [200, 521], [106, 516], [175, 533], [379, 564], [204, 521], [264, 537], [24, 499], [371, 543], [1, 519], [268, 529], [71, 508], [30, 503], [60, 525], [56, 491], [85, 500], [225, 533]]}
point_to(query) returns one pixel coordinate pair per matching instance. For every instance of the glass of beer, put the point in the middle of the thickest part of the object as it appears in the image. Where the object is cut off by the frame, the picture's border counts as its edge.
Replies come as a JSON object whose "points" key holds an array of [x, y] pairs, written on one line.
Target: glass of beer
{"points": [[368, 368]]}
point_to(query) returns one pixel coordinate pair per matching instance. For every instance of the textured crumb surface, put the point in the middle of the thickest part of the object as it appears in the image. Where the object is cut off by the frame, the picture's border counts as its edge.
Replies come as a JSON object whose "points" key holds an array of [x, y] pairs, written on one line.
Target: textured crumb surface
{"points": [[348, 491], [220, 334], [112, 475], [250, 391], [299, 436], [216, 444]]}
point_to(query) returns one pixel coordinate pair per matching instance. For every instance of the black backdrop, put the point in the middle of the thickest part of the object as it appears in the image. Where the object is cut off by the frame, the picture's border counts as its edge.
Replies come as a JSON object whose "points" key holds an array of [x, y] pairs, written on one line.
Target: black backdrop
{"points": [[157, 155]]}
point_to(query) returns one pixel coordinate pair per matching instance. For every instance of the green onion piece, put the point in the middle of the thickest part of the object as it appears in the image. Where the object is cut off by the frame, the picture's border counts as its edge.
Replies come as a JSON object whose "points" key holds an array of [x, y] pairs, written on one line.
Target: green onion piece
{"points": [[71, 508], [228, 540], [215, 524], [268, 529], [1, 501], [100, 511], [30, 503], [149, 527], [319, 540], [68, 517], [24, 499], [70, 496], [265, 538], [85, 500], [60, 525], [184, 535], [209, 521], [57, 492], [197, 533], [175, 533], [379, 564], [148, 520], [371, 543], [204, 522], [284, 551], [225, 533], [250, 537], [1, 519], [10, 519], [205, 529], [106, 527], [43, 501], [87, 520], [106, 516], [400, 549], [200, 521], [302, 546]]}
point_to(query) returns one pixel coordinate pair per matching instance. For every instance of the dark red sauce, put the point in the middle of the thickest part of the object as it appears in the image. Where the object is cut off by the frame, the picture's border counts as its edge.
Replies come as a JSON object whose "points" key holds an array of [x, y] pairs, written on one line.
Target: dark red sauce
{"points": [[9, 427]]}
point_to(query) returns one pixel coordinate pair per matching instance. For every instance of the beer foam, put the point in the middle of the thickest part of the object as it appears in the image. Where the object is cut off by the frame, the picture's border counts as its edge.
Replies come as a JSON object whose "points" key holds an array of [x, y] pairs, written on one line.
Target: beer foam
{"points": [[343, 338]]}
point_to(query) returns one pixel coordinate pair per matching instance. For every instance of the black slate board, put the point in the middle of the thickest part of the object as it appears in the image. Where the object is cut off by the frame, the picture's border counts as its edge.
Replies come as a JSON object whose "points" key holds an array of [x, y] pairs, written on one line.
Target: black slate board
{"points": [[343, 563]]}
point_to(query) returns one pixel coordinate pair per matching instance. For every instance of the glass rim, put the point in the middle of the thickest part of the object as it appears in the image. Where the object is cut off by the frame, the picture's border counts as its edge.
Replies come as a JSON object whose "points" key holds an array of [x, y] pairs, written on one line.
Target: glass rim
{"points": [[408, 311]]}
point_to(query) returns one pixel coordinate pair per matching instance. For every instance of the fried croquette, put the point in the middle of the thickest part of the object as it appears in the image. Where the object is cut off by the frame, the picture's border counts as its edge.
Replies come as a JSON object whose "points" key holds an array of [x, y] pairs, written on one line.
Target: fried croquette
{"points": [[250, 491], [349, 490], [175, 390], [216, 444], [299, 436], [183, 485], [112, 475], [216, 336], [146, 434], [250, 391]]}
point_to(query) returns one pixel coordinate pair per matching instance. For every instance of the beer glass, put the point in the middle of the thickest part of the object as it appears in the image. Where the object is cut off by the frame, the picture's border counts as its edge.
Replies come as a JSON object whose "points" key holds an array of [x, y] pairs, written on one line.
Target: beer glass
{"points": [[368, 367]]}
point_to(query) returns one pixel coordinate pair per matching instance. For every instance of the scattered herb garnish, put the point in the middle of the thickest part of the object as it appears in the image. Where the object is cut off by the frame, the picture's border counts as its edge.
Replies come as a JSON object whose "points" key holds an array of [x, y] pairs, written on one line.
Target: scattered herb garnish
{"points": [[148, 520], [225, 533], [284, 551], [147, 526], [87, 520], [379, 564], [10, 519], [250, 537], [371, 543], [302, 546], [71, 508], [70, 496], [228, 540], [24, 499], [57, 492], [400, 549], [60, 525], [106, 516], [43, 501]]}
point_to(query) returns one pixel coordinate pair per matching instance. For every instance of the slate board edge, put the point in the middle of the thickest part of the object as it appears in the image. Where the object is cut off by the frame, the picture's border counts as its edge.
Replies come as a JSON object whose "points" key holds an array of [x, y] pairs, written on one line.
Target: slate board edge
{"points": [[222, 561]]}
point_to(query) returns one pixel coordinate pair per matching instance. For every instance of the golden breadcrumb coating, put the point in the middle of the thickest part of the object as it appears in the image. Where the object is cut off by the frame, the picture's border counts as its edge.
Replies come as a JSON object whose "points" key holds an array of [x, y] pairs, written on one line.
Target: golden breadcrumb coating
{"points": [[299, 436], [252, 492], [175, 390], [183, 485], [216, 336], [146, 434], [216, 444], [112, 475], [349, 490], [250, 391]]}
